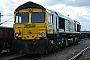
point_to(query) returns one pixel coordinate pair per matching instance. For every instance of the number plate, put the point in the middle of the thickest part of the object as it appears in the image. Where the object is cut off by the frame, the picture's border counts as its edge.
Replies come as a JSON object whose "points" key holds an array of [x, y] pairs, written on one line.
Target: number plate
{"points": [[30, 25]]}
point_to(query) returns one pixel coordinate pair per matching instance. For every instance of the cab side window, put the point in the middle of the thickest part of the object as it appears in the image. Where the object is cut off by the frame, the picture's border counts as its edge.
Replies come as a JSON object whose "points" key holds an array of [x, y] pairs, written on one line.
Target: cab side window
{"points": [[50, 19]]}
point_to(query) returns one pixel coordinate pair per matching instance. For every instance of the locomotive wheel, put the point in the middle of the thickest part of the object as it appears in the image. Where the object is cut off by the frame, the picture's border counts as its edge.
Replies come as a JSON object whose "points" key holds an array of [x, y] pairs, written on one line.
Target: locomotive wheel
{"points": [[77, 40], [63, 44], [66, 41]]}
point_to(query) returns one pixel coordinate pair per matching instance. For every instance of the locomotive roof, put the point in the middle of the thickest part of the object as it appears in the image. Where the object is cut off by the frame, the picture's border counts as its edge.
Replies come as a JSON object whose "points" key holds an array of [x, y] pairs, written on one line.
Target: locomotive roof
{"points": [[29, 5], [62, 16], [59, 14]]}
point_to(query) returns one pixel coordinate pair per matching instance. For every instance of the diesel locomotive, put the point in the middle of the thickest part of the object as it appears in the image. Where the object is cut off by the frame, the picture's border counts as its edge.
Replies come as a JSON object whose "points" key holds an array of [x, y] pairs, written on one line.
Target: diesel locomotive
{"points": [[38, 30]]}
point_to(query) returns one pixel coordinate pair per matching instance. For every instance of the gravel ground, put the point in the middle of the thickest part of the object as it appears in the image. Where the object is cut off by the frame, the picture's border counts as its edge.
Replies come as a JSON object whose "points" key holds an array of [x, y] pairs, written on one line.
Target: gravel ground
{"points": [[68, 52], [63, 54]]}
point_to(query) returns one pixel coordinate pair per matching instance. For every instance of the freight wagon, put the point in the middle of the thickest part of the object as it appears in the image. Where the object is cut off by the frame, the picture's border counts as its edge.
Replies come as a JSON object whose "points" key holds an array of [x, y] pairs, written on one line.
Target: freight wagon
{"points": [[6, 37], [85, 34]]}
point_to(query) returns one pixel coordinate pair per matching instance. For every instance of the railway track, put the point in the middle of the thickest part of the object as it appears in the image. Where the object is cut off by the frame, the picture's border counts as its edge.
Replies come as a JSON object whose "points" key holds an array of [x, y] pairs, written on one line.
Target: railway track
{"points": [[77, 56], [63, 54], [26, 57], [85, 55], [9, 56]]}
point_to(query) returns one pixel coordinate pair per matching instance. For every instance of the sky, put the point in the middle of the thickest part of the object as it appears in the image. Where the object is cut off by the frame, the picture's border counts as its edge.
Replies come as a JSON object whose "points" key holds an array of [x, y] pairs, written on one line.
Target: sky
{"points": [[78, 10]]}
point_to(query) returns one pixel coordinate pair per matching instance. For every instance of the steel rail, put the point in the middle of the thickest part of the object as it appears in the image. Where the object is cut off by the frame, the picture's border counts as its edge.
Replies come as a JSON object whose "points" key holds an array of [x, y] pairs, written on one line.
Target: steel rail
{"points": [[79, 54]]}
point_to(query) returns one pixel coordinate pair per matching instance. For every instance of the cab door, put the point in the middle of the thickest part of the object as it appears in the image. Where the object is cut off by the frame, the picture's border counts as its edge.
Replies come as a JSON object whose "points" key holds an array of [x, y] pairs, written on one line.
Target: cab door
{"points": [[50, 24]]}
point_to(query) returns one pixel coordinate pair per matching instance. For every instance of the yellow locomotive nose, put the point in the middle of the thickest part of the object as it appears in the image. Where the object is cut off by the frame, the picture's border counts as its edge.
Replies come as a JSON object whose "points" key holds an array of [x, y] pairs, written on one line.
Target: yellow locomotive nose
{"points": [[27, 33]]}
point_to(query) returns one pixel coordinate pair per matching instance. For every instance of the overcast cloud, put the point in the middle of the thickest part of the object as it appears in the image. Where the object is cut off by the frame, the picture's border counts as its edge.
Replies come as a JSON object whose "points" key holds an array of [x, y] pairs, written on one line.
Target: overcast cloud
{"points": [[76, 9], [77, 3]]}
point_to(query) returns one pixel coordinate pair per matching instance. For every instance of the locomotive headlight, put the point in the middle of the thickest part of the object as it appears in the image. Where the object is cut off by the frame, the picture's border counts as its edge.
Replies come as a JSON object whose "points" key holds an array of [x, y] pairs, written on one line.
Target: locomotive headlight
{"points": [[42, 34], [16, 34]]}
